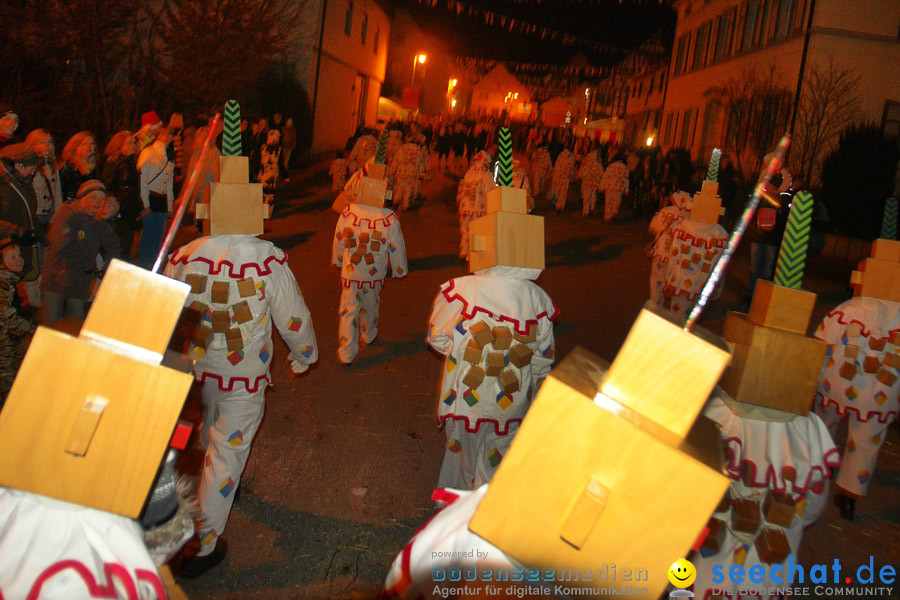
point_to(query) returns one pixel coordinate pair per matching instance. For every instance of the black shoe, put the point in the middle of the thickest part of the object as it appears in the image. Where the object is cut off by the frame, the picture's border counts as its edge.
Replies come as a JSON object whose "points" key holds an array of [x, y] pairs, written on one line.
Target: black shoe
{"points": [[846, 504], [193, 568]]}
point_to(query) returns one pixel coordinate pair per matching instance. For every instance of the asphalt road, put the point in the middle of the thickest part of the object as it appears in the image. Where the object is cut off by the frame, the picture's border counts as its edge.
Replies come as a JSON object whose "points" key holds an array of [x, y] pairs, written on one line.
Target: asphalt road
{"points": [[343, 467]]}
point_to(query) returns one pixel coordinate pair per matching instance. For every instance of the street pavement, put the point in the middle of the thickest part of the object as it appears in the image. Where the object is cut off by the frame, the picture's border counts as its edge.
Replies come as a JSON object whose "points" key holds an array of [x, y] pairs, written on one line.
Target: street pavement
{"points": [[342, 469]]}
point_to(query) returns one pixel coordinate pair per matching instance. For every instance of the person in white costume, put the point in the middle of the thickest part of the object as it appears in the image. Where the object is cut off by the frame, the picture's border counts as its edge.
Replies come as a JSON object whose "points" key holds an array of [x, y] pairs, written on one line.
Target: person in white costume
{"points": [[590, 172], [563, 172], [404, 172], [520, 181], [481, 420], [662, 226], [860, 380], [365, 239], [242, 286], [471, 196], [541, 166]]}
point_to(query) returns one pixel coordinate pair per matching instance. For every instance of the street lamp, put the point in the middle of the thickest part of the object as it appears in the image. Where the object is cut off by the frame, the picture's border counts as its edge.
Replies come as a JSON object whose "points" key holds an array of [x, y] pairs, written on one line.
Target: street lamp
{"points": [[418, 59]]}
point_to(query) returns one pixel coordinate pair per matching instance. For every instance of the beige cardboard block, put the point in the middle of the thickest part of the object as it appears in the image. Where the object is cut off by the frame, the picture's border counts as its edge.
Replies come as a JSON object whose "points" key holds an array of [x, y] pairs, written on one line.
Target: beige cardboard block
{"points": [[246, 287], [566, 498], [877, 279], [137, 308], [508, 239], [884, 249], [242, 312], [781, 307], [376, 171], [45, 415], [371, 192], [236, 209], [494, 363], [234, 169], [507, 199], [502, 337], [520, 355], [706, 206], [771, 367], [219, 292], [686, 366], [474, 377], [197, 282]]}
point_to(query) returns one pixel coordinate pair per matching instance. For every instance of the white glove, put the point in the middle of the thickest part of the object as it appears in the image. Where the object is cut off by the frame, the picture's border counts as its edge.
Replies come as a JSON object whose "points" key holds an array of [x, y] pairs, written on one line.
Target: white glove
{"points": [[298, 367]]}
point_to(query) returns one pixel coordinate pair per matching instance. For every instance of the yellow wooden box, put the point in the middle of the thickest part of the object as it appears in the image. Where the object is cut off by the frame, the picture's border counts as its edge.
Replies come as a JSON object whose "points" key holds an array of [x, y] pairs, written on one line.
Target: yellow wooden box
{"points": [[236, 209], [376, 171], [781, 307], [507, 199], [877, 279], [707, 205], [589, 481], [372, 192], [771, 367], [234, 169], [96, 431], [508, 239]]}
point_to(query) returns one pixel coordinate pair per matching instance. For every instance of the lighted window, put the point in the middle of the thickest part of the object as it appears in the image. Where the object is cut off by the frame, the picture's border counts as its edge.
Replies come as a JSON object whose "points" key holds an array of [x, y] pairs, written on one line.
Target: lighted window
{"points": [[365, 29], [348, 19]]}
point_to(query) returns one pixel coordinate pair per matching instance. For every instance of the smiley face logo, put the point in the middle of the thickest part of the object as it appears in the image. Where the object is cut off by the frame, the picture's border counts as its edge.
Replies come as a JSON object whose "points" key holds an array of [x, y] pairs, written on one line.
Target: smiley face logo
{"points": [[682, 573]]}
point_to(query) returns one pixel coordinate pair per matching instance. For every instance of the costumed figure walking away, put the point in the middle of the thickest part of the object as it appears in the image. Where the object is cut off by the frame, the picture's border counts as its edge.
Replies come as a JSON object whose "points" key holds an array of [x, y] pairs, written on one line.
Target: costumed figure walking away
{"points": [[563, 171], [662, 226], [471, 196], [404, 172], [495, 329], [394, 141], [338, 172], [696, 245], [590, 172], [363, 150], [541, 166], [366, 238], [860, 379], [270, 155], [14, 328], [613, 184], [241, 286]]}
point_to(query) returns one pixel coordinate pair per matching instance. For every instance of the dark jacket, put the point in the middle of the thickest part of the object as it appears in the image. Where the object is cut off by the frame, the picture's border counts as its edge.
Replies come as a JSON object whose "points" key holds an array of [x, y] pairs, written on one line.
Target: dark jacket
{"points": [[70, 179], [18, 215], [122, 180]]}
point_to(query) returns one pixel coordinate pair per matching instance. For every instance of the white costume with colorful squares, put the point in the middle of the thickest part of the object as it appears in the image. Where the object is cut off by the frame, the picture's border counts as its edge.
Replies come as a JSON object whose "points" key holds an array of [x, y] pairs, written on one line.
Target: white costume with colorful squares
{"points": [[55, 549], [480, 422], [471, 196], [541, 166], [404, 172], [563, 171], [613, 184], [259, 291], [794, 457], [363, 150], [695, 248], [365, 239], [590, 172], [861, 380], [662, 226]]}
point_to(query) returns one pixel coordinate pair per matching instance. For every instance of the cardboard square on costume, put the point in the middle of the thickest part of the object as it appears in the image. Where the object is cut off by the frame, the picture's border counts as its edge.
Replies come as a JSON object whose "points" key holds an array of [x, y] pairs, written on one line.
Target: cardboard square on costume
{"points": [[508, 239], [372, 192]]}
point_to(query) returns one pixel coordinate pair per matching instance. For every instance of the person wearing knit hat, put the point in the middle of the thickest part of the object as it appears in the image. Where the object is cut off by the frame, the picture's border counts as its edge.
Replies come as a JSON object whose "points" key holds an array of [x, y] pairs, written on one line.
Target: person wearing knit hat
{"points": [[18, 210], [150, 123], [77, 234], [9, 122]]}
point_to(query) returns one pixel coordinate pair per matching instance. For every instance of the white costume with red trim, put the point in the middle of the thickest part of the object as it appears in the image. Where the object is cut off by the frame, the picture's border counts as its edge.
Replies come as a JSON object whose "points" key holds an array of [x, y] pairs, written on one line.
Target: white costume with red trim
{"points": [[365, 238], [695, 248], [363, 150], [563, 172], [793, 457], [480, 422], [613, 184], [520, 181], [590, 172], [541, 166], [662, 225], [405, 169], [471, 196], [55, 549], [234, 381], [861, 380]]}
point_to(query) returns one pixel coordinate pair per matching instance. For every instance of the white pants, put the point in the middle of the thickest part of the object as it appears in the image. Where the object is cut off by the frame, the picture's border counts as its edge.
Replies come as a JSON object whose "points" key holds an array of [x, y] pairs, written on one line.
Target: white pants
{"points": [[470, 459], [230, 421], [864, 440], [588, 199], [359, 316]]}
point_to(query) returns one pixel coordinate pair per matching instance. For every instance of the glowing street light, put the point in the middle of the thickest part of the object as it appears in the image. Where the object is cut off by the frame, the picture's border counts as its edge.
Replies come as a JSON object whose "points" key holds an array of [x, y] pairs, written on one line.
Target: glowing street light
{"points": [[418, 59], [453, 103], [650, 141]]}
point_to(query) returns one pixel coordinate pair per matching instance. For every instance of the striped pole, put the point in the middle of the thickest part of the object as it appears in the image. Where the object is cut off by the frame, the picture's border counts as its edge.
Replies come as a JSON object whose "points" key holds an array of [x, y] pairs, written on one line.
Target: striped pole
{"points": [[889, 222], [382, 147], [712, 173]]}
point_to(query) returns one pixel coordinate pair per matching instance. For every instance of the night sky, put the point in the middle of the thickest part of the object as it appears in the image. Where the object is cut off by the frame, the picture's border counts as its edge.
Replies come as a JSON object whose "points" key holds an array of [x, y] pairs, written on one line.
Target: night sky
{"points": [[617, 25]]}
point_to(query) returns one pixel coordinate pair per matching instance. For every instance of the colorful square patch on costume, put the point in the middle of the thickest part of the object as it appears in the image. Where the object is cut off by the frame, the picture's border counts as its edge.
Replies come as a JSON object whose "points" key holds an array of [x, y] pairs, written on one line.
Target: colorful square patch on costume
{"points": [[449, 398], [451, 363], [307, 351], [226, 488], [208, 537], [264, 354], [294, 324], [235, 357], [504, 400], [471, 397], [236, 438], [494, 457], [454, 446]]}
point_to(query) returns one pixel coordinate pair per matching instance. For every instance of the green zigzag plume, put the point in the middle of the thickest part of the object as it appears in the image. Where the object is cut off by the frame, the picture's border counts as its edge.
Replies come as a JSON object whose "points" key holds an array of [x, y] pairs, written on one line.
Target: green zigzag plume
{"points": [[712, 173], [382, 147], [792, 258], [505, 155], [889, 222], [231, 136]]}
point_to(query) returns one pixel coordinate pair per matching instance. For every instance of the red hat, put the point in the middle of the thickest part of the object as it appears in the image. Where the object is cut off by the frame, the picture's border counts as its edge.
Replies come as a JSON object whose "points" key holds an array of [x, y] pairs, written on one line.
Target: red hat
{"points": [[150, 118]]}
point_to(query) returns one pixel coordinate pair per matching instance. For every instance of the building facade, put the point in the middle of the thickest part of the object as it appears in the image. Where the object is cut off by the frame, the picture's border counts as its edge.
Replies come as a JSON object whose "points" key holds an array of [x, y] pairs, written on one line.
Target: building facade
{"points": [[737, 66], [643, 112], [500, 91], [341, 63]]}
